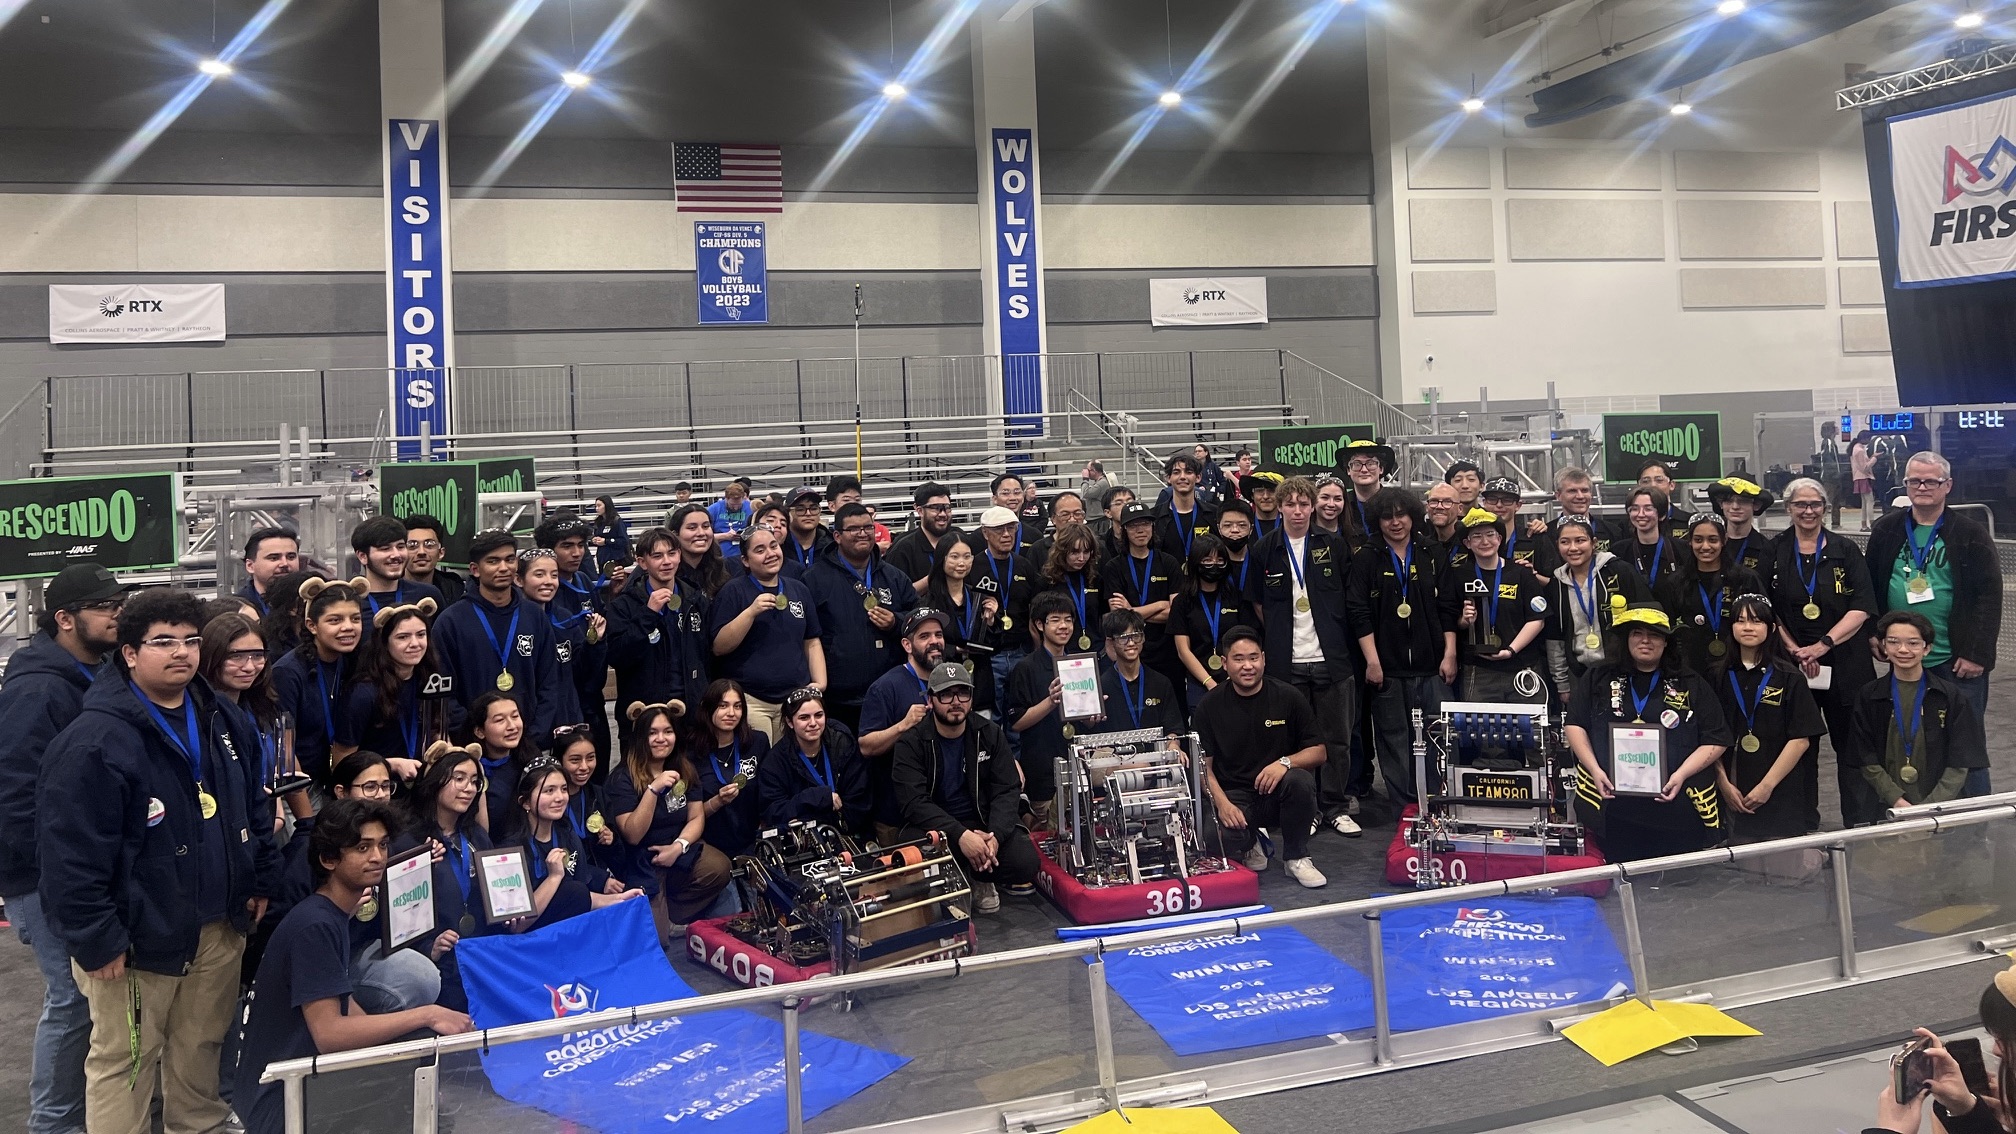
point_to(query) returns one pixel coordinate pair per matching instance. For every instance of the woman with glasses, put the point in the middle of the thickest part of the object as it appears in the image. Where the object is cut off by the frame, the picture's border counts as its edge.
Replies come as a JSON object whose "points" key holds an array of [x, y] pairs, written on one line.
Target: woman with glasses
{"points": [[1206, 607], [382, 704], [566, 881], [1821, 590], [815, 773], [308, 681], [1698, 595], [1650, 545], [445, 813], [1766, 777], [1913, 735]]}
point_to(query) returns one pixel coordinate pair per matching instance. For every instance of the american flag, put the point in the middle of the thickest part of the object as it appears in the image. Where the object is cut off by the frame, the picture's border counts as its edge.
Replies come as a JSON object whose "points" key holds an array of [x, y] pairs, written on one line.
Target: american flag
{"points": [[718, 177]]}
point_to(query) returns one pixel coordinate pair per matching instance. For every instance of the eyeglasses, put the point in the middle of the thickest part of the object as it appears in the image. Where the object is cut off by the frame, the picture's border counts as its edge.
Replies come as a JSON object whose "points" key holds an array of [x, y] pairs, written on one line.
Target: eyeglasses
{"points": [[1806, 505], [171, 644], [953, 695], [105, 606], [1128, 639], [254, 658], [934, 507], [859, 529], [421, 545], [1924, 482], [1904, 644], [372, 789], [1362, 463]]}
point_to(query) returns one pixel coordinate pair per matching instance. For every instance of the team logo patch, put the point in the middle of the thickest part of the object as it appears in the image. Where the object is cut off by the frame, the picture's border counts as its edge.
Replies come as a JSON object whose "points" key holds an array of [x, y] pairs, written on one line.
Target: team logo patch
{"points": [[655, 636], [525, 645], [565, 650]]}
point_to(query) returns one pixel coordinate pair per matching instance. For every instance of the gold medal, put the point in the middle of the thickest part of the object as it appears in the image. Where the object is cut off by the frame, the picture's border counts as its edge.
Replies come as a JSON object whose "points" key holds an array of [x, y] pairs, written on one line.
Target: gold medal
{"points": [[596, 824], [1919, 584], [1084, 641], [1214, 663], [594, 635], [467, 925], [1593, 640], [1751, 743], [675, 602], [207, 804], [1007, 623], [1302, 604], [1812, 611], [1491, 640], [869, 601], [1717, 648], [1908, 773], [968, 663], [780, 602], [505, 681], [1070, 731], [367, 910], [1404, 610]]}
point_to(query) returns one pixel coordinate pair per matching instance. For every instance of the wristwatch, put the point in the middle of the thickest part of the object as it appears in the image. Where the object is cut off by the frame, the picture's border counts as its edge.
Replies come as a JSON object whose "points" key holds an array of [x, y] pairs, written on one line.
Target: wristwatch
{"points": [[1285, 763]]}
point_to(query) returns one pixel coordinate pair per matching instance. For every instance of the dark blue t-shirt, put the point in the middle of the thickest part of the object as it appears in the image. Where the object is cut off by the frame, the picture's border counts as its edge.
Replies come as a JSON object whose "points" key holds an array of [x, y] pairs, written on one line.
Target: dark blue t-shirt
{"points": [[954, 794], [314, 703], [632, 862], [733, 829], [770, 662], [890, 698], [307, 959]]}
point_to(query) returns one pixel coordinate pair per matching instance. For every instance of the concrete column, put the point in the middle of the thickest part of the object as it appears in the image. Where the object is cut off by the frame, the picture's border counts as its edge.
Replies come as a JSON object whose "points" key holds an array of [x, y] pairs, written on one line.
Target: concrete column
{"points": [[1011, 207], [419, 296]]}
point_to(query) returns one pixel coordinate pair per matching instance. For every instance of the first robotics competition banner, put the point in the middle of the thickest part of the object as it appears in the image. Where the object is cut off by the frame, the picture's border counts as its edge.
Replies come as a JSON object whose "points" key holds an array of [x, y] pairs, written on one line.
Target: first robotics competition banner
{"points": [[1952, 169], [715, 1071], [1445, 964]]}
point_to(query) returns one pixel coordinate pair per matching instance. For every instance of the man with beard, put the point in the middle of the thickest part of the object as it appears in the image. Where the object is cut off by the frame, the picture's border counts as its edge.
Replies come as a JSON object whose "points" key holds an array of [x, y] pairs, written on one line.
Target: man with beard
{"points": [[953, 774], [916, 551], [380, 546], [895, 703]]}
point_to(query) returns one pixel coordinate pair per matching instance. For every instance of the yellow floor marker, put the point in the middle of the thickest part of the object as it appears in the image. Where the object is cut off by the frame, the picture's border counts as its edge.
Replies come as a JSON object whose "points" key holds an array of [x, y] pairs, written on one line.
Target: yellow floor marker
{"points": [[1632, 1029], [1948, 919], [1156, 1120]]}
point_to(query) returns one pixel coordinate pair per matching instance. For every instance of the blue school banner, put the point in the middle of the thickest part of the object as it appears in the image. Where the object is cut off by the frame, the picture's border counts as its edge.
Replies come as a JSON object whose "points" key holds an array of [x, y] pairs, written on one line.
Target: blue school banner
{"points": [[1456, 963], [717, 1071], [732, 272], [1240, 990]]}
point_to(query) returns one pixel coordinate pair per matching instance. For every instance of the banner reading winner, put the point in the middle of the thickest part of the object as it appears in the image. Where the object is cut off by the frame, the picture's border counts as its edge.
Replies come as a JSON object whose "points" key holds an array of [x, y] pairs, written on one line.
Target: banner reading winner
{"points": [[124, 523]]}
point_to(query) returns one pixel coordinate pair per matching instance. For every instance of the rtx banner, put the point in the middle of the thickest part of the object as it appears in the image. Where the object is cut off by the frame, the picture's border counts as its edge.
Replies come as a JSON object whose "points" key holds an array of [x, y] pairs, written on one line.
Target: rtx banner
{"points": [[1952, 170], [136, 313], [1207, 302]]}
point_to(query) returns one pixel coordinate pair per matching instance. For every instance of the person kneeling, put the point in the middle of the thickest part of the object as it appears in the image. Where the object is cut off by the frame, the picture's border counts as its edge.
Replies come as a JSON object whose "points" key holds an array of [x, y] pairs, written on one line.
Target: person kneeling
{"points": [[565, 880], [953, 774], [1264, 749], [301, 1003]]}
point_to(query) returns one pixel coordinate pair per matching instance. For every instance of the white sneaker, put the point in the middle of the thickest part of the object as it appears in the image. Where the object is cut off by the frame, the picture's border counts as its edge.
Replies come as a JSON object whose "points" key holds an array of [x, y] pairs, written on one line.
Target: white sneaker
{"points": [[1256, 858], [1346, 826], [1304, 871], [986, 899]]}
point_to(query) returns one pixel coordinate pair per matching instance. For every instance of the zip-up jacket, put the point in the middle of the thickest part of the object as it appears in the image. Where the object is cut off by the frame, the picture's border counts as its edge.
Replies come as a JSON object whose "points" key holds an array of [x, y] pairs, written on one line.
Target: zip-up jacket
{"points": [[658, 655], [43, 693], [856, 652], [1976, 618], [990, 778], [1270, 587], [790, 790], [469, 656]]}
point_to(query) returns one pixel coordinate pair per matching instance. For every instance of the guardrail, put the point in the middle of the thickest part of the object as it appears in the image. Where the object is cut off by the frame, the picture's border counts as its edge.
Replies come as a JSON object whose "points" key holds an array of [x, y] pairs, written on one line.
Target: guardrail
{"points": [[1297, 1068]]}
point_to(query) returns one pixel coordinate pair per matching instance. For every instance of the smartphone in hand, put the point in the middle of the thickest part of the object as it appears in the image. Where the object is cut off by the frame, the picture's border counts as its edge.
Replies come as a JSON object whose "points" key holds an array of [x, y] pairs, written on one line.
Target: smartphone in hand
{"points": [[1910, 1068]]}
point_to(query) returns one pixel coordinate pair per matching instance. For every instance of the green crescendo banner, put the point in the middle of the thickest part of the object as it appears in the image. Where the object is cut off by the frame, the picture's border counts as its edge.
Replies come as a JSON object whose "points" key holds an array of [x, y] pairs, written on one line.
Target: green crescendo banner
{"points": [[1306, 450], [445, 490], [509, 474], [130, 522], [1690, 442]]}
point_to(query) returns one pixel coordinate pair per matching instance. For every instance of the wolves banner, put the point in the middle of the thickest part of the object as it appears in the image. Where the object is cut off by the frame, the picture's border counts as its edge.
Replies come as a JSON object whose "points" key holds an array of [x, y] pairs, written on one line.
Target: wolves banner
{"points": [[715, 1071], [1461, 962], [1951, 172], [1240, 990]]}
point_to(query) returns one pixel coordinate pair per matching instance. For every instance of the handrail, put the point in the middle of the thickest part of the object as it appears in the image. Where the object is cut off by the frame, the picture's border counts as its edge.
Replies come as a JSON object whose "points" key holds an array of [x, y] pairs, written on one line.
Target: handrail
{"points": [[1987, 809]]}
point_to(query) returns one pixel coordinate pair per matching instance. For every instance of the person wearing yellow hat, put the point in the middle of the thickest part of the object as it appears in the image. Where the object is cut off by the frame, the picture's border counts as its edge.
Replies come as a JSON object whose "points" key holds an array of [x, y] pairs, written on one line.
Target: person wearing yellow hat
{"points": [[1740, 502], [1260, 489], [1647, 732], [1584, 593], [1504, 614]]}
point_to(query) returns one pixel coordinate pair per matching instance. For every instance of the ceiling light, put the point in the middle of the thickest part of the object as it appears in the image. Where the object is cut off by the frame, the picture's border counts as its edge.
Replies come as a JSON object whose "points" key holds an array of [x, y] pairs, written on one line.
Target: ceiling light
{"points": [[1730, 7], [895, 91], [1170, 98], [575, 79], [1681, 109], [215, 68], [1968, 21], [1473, 104]]}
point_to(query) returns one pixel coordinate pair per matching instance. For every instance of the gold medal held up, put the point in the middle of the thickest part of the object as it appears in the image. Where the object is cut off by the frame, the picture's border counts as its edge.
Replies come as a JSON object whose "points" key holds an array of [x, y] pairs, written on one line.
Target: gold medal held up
{"points": [[780, 602], [869, 601], [597, 824]]}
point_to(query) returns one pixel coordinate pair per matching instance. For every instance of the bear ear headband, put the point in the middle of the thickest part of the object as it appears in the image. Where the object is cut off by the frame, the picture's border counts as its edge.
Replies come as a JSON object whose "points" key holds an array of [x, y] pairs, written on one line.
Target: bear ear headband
{"points": [[425, 608], [2005, 983], [674, 708], [441, 749], [314, 587]]}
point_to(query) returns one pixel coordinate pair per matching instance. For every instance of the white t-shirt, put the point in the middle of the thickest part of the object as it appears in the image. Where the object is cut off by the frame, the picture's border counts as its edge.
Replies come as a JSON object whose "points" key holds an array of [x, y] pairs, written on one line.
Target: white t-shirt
{"points": [[1307, 647]]}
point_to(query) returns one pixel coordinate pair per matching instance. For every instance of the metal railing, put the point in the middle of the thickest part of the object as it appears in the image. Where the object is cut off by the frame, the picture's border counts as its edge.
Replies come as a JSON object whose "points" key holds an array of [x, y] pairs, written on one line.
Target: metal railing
{"points": [[1329, 1061]]}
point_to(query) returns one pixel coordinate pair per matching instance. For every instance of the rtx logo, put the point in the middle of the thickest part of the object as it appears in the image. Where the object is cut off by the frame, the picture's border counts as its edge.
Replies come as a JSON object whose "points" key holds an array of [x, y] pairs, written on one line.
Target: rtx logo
{"points": [[112, 310], [1199, 295]]}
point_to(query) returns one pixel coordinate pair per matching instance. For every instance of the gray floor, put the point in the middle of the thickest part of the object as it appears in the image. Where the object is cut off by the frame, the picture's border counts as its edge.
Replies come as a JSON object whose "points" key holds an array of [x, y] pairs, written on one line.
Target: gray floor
{"points": [[996, 1037]]}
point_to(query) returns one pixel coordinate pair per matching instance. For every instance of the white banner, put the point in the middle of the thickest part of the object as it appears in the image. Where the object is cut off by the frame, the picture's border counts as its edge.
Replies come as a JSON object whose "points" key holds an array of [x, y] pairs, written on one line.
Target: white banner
{"points": [[1216, 301], [136, 313], [1951, 172]]}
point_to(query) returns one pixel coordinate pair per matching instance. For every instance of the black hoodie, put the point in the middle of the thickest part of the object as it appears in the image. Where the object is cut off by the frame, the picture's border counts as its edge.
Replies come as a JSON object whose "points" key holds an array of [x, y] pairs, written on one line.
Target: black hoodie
{"points": [[43, 693]]}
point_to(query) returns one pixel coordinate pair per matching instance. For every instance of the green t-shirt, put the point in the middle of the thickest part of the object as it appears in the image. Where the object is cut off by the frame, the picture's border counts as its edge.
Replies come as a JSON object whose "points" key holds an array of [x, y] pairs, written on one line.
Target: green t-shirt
{"points": [[1939, 609]]}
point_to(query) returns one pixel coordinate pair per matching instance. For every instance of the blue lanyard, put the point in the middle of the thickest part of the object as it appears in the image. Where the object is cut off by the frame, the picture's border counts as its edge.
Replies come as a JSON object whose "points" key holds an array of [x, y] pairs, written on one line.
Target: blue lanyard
{"points": [[1240, 585], [328, 714], [510, 634], [1260, 527], [1405, 569], [90, 675], [827, 781], [1736, 560], [994, 572], [923, 685], [1491, 599], [564, 623], [1185, 528], [465, 865], [409, 727], [1638, 703], [1295, 561], [1213, 611], [398, 597], [735, 758], [1144, 577], [1658, 553], [866, 576], [538, 856], [1076, 587], [1920, 554], [805, 554], [1712, 610], [587, 593], [1511, 536], [1135, 707], [1799, 561], [1749, 712], [967, 613], [580, 824], [1364, 522], [1586, 606], [1907, 738], [191, 745]]}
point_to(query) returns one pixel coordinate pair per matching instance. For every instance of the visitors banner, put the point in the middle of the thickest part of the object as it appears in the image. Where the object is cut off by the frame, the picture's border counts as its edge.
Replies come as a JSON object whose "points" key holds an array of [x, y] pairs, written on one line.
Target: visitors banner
{"points": [[1455, 963], [130, 522], [1952, 169], [1307, 450], [1240, 990], [136, 313], [1689, 442], [445, 490], [714, 1071], [1213, 301]]}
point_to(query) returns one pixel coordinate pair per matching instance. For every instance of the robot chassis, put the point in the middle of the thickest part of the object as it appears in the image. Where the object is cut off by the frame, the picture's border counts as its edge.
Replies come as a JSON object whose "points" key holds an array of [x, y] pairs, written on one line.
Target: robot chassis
{"points": [[1508, 811]]}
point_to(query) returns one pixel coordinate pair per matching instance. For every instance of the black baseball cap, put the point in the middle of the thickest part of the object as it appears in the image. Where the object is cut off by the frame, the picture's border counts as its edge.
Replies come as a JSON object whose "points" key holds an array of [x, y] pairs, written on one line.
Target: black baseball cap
{"points": [[1502, 486], [922, 615], [83, 583], [1136, 512]]}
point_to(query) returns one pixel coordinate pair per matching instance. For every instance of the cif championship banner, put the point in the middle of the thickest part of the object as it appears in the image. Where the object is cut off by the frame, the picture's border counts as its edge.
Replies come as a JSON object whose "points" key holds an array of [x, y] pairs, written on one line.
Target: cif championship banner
{"points": [[1951, 172], [1217, 301], [136, 313]]}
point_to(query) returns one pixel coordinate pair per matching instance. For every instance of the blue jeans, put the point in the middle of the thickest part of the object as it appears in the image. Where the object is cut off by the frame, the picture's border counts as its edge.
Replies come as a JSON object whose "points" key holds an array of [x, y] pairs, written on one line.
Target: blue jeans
{"points": [[405, 979], [62, 1035], [1004, 663], [1975, 689]]}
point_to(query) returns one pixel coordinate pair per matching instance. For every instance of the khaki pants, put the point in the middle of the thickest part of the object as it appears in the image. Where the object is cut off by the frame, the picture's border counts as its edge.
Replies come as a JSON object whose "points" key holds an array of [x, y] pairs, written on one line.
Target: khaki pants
{"points": [[766, 717], [181, 1021]]}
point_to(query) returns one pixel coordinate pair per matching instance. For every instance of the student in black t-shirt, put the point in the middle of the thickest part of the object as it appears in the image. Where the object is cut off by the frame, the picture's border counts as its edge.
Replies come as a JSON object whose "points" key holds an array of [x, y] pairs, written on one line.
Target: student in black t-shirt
{"points": [[565, 881], [725, 752], [1777, 725], [381, 706], [300, 1002], [1034, 703], [1262, 748], [1144, 579], [574, 747], [1135, 696], [764, 632]]}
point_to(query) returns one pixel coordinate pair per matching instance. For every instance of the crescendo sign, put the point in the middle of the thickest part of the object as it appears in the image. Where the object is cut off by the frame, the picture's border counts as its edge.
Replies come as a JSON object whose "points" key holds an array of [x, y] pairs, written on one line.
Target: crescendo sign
{"points": [[122, 523]]}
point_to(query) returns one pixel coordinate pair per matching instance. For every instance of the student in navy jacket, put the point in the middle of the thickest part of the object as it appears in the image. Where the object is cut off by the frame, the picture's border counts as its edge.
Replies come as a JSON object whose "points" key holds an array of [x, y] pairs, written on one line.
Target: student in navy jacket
{"points": [[497, 639], [151, 870], [582, 604], [862, 601], [308, 680], [657, 637], [812, 767]]}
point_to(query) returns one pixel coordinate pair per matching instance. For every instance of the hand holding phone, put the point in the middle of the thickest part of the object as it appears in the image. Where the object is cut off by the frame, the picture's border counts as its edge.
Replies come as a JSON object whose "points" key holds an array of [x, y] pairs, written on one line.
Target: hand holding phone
{"points": [[1910, 1069]]}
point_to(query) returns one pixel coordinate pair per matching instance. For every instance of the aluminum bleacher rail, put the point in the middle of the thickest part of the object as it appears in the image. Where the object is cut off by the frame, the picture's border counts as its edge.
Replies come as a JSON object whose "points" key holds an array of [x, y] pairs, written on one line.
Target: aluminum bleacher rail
{"points": [[1320, 1063]]}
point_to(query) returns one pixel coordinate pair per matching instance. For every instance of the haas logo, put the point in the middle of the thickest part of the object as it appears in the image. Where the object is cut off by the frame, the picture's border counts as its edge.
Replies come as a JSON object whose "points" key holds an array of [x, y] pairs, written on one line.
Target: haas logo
{"points": [[572, 999]]}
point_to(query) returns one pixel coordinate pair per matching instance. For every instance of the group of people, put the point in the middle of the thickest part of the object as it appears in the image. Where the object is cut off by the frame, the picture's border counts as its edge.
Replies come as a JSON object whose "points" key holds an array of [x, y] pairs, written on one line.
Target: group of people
{"points": [[790, 659]]}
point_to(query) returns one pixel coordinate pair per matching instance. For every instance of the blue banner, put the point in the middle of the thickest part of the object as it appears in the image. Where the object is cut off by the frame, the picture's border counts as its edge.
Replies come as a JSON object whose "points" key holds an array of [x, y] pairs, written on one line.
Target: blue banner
{"points": [[1456, 963], [1240, 990], [715, 1071], [732, 269], [418, 311], [1017, 289]]}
